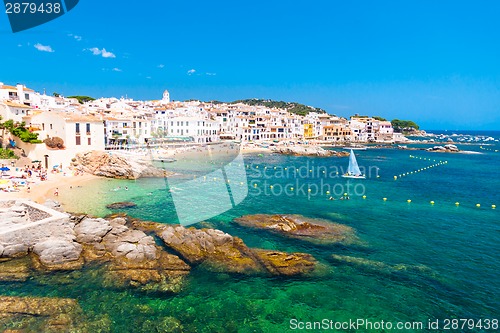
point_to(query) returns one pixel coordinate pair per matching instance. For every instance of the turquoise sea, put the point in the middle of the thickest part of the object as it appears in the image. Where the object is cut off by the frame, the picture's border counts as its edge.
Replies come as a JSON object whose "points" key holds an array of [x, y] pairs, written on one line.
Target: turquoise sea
{"points": [[458, 245]]}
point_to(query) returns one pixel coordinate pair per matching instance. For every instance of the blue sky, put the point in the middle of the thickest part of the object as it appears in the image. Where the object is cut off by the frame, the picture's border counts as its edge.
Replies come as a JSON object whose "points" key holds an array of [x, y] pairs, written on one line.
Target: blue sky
{"points": [[435, 62]]}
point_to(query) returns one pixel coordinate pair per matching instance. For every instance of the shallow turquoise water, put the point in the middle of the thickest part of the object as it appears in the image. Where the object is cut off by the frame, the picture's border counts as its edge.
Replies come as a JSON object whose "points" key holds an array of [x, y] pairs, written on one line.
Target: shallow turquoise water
{"points": [[459, 244]]}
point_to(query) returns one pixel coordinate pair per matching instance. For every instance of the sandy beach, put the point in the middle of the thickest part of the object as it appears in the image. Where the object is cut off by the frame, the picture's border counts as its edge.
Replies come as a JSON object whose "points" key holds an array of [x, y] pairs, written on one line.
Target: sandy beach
{"points": [[41, 191]]}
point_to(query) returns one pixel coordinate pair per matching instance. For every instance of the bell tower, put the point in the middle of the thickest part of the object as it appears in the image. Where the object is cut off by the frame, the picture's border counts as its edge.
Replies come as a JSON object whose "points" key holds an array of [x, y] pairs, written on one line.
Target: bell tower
{"points": [[166, 97]]}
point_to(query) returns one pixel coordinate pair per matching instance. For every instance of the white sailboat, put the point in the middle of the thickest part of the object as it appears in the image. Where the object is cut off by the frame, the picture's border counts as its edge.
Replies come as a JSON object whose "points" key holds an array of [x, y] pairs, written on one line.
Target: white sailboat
{"points": [[353, 169]]}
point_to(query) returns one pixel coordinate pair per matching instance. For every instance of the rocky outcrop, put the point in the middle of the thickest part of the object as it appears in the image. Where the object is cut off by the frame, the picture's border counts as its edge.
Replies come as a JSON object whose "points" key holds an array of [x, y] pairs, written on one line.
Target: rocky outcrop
{"points": [[299, 227], [32, 314], [114, 165], [133, 258], [127, 255], [444, 149], [220, 251], [299, 150]]}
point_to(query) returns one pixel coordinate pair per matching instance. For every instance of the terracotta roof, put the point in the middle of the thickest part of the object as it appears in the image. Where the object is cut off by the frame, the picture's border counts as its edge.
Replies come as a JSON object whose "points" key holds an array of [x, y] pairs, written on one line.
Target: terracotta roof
{"points": [[14, 88], [8, 87], [16, 105]]}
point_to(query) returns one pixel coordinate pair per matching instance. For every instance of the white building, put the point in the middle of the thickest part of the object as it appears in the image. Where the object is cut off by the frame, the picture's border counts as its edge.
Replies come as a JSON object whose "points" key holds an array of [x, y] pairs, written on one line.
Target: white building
{"points": [[15, 111], [200, 129], [19, 94]]}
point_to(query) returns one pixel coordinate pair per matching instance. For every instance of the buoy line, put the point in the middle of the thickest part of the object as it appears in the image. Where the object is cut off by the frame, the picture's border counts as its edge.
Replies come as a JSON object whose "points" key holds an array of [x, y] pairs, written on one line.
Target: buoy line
{"points": [[404, 174]]}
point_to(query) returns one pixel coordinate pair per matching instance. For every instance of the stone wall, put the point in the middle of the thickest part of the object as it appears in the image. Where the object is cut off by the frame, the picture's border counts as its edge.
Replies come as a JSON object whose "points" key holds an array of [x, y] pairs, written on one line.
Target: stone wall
{"points": [[18, 235]]}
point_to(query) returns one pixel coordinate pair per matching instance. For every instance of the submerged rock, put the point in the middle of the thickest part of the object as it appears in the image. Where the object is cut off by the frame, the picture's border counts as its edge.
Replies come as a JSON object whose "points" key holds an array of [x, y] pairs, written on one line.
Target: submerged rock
{"points": [[121, 205], [300, 227], [165, 274], [18, 270], [382, 267], [33, 314]]}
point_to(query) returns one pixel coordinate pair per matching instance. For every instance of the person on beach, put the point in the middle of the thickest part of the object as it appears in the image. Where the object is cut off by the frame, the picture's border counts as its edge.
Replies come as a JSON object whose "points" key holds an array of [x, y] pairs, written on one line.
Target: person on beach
{"points": [[56, 192]]}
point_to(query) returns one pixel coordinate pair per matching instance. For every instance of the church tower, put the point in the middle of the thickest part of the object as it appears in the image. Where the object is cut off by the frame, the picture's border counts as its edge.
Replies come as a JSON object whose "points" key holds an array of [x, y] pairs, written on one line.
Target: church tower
{"points": [[166, 97]]}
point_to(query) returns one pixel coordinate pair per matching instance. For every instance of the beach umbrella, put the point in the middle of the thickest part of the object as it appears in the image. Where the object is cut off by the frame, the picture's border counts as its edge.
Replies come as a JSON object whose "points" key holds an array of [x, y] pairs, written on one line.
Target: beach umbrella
{"points": [[4, 169]]}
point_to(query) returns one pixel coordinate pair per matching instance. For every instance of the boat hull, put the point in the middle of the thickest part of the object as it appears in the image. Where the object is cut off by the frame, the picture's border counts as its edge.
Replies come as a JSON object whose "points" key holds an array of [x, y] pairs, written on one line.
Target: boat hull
{"points": [[353, 177]]}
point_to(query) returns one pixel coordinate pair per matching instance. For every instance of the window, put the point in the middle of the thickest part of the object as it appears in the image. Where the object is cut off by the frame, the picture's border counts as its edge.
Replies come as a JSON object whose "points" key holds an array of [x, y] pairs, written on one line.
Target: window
{"points": [[88, 129], [50, 126], [26, 96], [78, 141], [89, 141], [43, 127], [77, 127]]}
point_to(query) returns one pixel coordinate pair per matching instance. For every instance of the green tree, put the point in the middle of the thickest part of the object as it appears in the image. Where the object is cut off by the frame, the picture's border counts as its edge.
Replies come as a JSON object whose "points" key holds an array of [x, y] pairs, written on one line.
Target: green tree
{"points": [[83, 99], [20, 130], [404, 126]]}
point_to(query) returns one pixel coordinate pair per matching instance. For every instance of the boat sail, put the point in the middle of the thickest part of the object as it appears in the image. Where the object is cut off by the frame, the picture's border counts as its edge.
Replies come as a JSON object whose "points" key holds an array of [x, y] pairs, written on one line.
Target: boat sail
{"points": [[353, 169]]}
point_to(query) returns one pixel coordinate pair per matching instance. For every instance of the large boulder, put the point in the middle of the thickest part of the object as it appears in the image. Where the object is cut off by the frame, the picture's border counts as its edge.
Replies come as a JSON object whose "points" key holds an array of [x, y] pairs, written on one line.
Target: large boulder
{"points": [[59, 254], [296, 226], [115, 165], [92, 230]]}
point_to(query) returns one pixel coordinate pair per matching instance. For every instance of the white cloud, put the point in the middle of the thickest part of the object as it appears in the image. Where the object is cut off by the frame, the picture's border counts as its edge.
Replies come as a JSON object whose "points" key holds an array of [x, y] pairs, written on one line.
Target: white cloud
{"points": [[78, 38], [43, 48], [211, 74], [95, 51], [103, 52], [161, 66], [191, 71], [148, 77], [116, 70], [106, 54]]}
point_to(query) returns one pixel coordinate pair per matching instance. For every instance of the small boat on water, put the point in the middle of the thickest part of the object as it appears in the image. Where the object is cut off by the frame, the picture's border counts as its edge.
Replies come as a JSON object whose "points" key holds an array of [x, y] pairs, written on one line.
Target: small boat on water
{"points": [[164, 160], [353, 168]]}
